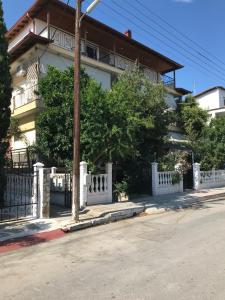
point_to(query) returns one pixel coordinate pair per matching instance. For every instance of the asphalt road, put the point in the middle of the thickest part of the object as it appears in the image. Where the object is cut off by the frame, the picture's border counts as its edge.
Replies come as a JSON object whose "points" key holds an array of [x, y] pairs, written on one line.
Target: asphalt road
{"points": [[177, 255]]}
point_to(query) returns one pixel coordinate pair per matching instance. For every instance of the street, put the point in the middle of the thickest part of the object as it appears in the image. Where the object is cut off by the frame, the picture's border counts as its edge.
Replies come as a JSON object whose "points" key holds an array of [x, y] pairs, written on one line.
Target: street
{"points": [[176, 255]]}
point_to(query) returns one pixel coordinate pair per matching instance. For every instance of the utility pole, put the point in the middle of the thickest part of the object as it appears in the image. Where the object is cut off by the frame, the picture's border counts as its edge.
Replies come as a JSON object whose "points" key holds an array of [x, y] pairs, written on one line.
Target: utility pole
{"points": [[76, 113], [76, 117]]}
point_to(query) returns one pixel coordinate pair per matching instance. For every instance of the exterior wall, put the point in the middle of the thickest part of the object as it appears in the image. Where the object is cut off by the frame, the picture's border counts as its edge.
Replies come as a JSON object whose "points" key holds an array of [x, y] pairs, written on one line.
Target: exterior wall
{"points": [[61, 62], [29, 138], [210, 100], [39, 28], [102, 77], [221, 98]]}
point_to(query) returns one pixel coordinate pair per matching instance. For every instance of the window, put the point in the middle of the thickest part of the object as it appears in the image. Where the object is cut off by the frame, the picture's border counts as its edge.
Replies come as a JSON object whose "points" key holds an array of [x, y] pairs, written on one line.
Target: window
{"points": [[223, 101], [91, 51]]}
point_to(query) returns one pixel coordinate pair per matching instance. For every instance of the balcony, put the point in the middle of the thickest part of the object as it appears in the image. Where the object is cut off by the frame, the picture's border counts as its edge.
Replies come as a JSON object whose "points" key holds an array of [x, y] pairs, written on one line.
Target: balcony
{"points": [[92, 51], [25, 101]]}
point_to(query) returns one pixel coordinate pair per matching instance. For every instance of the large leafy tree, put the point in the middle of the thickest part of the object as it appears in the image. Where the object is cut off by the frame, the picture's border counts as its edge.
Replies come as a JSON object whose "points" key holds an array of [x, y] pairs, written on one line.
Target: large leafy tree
{"points": [[5, 97], [193, 120], [211, 147], [127, 122]]}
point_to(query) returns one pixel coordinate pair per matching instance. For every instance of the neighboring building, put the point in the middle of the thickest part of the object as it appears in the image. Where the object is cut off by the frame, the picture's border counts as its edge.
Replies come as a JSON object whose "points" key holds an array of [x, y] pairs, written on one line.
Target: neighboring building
{"points": [[44, 36], [212, 100]]}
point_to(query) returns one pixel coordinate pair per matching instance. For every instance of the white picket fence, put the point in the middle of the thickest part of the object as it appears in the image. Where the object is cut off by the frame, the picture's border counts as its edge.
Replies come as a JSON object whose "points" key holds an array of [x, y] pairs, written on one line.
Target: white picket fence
{"points": [[162, 182], [208, 179]]}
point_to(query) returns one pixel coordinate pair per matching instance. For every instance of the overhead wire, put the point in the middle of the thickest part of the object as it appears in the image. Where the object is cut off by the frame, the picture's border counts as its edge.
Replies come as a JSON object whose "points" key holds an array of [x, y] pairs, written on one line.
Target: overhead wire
{"points": [[159, 39]]}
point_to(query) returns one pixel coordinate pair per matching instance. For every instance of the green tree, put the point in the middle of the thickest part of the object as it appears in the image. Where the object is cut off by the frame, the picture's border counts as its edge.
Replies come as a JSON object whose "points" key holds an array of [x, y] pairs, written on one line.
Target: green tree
{"points": [[211, 147], [126, 122], [192, 119], [5, 97]]}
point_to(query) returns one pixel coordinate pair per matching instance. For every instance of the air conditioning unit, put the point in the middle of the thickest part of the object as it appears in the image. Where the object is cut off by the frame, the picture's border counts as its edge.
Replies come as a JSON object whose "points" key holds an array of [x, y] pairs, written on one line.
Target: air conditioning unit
{"points": [[21, 71]]}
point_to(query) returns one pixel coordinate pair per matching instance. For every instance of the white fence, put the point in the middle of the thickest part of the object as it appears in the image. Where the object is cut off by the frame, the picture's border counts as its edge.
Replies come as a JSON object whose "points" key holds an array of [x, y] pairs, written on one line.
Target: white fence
{"points": [[208, 179], [163, 182], [94, 189]]}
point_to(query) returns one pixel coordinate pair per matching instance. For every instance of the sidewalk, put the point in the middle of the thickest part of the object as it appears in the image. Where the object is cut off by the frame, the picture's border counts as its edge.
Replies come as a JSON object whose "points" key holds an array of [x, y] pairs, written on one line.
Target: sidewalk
{"points": [[102, 214]]}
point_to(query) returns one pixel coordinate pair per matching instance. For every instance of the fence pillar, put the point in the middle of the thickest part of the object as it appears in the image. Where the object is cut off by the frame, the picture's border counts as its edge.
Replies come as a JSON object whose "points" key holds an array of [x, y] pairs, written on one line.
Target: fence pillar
{"points": [[155, 178], [108, 168], [196, 176], [178, 168], [83, 184], [53, 170], [43, 193]]}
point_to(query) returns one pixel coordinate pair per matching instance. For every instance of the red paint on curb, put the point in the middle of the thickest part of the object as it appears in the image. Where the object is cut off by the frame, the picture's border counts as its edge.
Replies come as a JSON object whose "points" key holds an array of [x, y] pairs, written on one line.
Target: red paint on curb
{"points": [[31, 240]]}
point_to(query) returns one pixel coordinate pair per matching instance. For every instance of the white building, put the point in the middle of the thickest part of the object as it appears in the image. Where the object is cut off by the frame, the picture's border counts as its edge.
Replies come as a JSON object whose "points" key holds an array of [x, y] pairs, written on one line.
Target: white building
{"points": [[212, 100], [44, 36]]}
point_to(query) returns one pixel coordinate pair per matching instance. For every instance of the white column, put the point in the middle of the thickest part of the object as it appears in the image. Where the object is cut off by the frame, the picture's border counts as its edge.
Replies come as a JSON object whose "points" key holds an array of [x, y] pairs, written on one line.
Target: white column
{"points": [[178, 168], [108, 168], [53, 170], [196, 176], [83, 184], [38, 187], [155, 178]]}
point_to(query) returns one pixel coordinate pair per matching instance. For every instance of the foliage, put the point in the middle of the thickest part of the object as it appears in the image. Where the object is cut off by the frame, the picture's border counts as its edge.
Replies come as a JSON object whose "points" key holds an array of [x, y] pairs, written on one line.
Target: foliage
{"points": [[176, 177], [192, 119], [168, 161], [121, 187], [129, 121], [211, 147], [5, 97], [14, 129]]}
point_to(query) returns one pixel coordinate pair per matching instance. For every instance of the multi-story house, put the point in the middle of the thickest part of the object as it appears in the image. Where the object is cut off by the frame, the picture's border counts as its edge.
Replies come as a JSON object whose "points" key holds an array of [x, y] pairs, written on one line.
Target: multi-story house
{"points": [[44, 36], [212, 100]]}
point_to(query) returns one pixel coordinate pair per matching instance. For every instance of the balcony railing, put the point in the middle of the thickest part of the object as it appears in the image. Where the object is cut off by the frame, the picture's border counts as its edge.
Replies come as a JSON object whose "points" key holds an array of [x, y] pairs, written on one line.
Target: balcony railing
{"points": [[168, 81], [24, 96], [66, 41]]}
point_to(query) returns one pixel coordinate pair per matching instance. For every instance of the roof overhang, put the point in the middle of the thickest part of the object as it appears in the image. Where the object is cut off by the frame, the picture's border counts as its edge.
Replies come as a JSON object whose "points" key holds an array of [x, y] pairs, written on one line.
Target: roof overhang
{"points": [[25, 44], [183, 91]]}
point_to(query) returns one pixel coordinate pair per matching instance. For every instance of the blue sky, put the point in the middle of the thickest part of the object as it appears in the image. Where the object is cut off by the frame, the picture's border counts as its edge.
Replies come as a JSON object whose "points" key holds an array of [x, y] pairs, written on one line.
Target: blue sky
{"points": [[200, 20]]}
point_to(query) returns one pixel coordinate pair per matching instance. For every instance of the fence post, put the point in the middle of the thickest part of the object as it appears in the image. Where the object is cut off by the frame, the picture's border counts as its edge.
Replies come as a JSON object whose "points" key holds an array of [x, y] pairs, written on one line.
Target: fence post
{"points": [[83, 184], [53, 170], [196, 176], [108, 168], [155, 178], [178, 168], [43, 176]]}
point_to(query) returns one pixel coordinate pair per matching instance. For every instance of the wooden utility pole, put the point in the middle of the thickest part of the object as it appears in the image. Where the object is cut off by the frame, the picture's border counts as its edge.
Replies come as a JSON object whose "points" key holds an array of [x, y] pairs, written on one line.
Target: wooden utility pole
{"points": [[76, 126]]}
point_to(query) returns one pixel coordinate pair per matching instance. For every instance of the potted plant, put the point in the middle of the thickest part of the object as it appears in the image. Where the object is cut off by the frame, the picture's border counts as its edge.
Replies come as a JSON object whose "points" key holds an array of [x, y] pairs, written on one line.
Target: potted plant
{"points": [[121, 191]]}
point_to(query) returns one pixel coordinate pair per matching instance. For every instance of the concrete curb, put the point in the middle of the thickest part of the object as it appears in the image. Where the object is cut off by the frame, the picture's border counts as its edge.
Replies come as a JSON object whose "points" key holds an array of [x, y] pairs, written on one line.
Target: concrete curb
{"points": [[129, 213], [110, 217]]}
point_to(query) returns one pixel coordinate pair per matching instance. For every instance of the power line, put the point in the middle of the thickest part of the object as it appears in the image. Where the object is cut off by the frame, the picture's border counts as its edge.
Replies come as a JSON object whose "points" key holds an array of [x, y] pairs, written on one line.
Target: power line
{"points": [[169, 39], [180, 33], [209, 60], [162, 41], [206, 72]]}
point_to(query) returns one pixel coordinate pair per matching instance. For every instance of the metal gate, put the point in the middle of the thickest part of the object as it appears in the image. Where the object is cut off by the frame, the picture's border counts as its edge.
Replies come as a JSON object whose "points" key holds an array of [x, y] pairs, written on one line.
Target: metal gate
{"points": [[188, 179], [20, 200]]}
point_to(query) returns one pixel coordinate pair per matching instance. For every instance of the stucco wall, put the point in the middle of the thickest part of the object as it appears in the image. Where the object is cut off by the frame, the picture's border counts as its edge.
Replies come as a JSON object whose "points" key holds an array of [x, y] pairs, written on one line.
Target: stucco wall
{"points": [[62, 63]]}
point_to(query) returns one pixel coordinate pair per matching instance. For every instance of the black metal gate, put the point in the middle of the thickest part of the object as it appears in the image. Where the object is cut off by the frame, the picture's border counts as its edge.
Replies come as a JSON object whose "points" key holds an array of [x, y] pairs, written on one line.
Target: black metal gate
{"points": [[188, 180], [20, 199]]}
